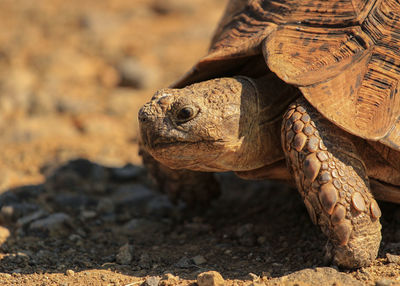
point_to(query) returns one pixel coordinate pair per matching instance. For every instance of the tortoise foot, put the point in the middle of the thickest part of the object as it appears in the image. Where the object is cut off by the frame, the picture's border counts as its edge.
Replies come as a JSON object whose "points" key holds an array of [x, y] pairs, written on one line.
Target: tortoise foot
{"points": [[194, 188], [332, 181]]}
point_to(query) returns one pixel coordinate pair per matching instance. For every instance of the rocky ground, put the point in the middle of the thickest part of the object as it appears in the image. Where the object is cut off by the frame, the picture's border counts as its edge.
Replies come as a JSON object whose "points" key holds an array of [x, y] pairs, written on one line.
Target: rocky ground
{"points": [[77, 207]]}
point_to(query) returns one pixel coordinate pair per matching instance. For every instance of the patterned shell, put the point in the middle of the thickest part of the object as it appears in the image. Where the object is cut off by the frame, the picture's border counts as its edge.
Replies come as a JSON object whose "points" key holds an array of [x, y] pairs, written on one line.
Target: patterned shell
{"points": [[344, 55]]}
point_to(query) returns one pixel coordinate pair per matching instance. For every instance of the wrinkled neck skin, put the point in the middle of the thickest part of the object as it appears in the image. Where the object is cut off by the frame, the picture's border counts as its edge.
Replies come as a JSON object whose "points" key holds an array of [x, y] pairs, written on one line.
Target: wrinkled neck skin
{"points": [[235, 125], [258, 137]]}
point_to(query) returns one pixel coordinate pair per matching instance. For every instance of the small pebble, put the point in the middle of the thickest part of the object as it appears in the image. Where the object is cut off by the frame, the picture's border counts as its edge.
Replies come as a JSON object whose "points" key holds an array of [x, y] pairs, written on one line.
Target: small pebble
{"points": [[124, 255], [152, 281], [184, 262], [253, 277], [105, 205], [383, 282], [393, 258], [198, 227], [246, 235], [86, 214], [74, 237], [169, 276], [266, 274], [210, 278], [4, 234], [199, 259], [70, 272], [7, 211], [261, 239], [16, 272], [244, 229]]}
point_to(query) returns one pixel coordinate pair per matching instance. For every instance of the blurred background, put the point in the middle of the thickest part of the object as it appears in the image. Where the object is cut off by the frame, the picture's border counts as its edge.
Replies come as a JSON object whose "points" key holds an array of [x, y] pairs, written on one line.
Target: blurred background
{"points": [[74, 73]]}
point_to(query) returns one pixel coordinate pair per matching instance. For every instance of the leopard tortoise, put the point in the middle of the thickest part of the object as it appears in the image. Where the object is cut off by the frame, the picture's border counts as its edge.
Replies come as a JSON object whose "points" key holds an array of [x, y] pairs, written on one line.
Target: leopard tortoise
{"points": [[314, 83]]}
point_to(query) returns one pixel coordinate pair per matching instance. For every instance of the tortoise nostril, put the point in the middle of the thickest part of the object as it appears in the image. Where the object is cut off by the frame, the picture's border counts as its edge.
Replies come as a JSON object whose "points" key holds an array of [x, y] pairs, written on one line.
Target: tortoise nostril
{"points": [[142, 116]]}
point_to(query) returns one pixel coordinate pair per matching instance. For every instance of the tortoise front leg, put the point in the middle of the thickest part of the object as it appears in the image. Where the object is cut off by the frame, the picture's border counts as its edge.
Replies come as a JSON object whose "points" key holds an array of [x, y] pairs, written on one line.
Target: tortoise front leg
{"points": [[332, 181]]}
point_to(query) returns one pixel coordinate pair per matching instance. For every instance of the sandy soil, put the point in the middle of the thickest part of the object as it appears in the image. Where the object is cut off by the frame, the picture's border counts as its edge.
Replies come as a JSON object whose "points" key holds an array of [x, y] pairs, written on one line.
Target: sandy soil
{"points": [[77, 207]]}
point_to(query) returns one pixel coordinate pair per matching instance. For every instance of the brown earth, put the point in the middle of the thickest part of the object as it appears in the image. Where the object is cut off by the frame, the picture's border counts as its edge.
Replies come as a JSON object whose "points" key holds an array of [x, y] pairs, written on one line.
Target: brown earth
{"points": [[72, 77]]}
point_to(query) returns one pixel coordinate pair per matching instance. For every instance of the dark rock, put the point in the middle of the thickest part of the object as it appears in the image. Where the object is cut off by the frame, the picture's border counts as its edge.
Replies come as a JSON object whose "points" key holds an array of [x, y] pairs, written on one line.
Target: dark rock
{"points": [[246, 235], [244, 230], [53, 224], [184, 262], [124, 255], [28, 192], [159, 206], [145, 261], [31, 217], [127, 173], [82, 167], [142, 227], [73, 201], [105, 205], [132, 196]]}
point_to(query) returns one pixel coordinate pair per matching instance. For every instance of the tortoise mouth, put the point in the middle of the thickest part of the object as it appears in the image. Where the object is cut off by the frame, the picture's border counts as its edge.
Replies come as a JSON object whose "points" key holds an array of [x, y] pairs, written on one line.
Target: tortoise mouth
{"points": [[202, 155], [164, 145]]}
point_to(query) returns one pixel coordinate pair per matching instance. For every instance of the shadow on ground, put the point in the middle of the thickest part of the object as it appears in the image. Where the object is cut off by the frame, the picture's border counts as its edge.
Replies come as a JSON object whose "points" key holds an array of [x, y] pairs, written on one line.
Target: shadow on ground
{"points": [[88, 216]]}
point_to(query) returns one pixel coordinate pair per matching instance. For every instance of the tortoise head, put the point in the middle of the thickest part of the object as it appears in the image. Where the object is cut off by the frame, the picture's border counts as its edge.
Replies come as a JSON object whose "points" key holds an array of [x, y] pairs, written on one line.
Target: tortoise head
{"points": [[203, 127], [224, 124]]}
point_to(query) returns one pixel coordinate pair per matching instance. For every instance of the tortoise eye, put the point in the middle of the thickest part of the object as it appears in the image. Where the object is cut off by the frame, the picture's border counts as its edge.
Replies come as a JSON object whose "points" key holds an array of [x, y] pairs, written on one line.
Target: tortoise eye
{"points": [[185, 114]]}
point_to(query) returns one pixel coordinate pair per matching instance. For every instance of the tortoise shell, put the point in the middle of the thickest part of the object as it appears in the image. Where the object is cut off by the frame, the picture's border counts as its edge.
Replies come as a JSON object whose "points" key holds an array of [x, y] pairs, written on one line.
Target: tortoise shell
{"points": [[344, 56]]}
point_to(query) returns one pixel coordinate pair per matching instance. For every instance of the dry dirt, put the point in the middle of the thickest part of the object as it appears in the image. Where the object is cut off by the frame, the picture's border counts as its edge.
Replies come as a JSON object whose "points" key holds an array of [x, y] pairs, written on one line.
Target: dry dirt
{"points": [[76, 206]]}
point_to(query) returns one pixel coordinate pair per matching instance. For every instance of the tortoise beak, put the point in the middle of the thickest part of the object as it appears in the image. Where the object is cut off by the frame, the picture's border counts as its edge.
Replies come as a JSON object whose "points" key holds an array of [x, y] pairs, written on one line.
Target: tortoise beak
{"points": [[143, 115], [151, 119], [146, 119]]}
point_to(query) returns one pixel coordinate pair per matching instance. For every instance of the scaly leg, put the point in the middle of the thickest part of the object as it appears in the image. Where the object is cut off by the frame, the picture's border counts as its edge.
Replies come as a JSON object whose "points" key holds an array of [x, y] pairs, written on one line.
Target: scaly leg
{"points": [[332, 181]]}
